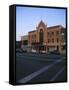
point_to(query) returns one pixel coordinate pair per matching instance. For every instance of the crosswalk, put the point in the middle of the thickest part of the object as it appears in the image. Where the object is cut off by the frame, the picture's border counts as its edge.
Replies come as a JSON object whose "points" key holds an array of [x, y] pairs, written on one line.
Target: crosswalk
{"points": [[57, 74], [36, 73]]}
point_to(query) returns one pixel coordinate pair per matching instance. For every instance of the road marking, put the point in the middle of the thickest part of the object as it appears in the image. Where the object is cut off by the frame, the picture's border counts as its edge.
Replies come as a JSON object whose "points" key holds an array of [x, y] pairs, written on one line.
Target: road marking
{"points": [[57, 74], [33, 75]]}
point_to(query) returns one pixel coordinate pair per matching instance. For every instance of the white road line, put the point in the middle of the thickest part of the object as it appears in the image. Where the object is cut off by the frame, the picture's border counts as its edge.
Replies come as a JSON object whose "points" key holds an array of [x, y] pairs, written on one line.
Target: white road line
{"points": [[57, 74], [33, 75]]}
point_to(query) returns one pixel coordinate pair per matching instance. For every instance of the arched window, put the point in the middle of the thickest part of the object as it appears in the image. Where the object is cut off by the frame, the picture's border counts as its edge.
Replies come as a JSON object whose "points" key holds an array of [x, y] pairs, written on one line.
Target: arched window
{"points": [[41, 36]]}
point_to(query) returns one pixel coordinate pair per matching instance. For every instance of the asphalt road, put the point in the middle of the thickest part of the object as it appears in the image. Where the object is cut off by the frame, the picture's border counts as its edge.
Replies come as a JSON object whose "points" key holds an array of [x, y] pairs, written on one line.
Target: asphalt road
{"points": [[39, 68]]}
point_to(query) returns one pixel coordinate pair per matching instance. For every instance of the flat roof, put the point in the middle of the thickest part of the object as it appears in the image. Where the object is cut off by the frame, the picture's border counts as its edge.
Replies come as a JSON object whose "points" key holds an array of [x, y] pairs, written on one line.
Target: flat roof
{"points": [[25, 37], [55, 27]]}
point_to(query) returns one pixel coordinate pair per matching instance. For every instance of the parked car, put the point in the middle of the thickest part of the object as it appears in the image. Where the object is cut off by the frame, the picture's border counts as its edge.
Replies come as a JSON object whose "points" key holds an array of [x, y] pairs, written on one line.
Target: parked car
{"points": [[33, 51], [43, 51], [54, 52], [18, 50]]}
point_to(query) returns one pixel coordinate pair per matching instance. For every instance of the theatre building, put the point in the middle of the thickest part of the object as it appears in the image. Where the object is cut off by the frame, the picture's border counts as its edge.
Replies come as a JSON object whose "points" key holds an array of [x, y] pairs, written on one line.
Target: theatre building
{"points": [[46, 39]]}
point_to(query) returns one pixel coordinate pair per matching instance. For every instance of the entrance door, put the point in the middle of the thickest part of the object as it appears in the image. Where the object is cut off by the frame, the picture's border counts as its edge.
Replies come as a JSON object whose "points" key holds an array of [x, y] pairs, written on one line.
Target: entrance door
{"points": [[57, 48]]}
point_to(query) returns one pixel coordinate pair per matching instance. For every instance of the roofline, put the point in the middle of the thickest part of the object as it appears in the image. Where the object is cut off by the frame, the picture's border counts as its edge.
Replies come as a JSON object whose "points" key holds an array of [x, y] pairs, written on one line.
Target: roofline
{"points": [[32, 31], [55, 26]]}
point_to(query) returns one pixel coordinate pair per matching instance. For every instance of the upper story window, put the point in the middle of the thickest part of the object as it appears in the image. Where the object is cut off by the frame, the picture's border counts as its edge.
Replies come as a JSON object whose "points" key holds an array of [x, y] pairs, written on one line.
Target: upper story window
{"points": [[52, 33], [57, 33], [57, 40], [35, 36], [52, 40], [48, 33]]}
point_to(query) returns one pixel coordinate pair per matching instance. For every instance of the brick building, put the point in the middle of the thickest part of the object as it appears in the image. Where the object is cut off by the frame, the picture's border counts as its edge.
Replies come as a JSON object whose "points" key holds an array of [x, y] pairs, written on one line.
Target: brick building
{"points": [[45, 39]]}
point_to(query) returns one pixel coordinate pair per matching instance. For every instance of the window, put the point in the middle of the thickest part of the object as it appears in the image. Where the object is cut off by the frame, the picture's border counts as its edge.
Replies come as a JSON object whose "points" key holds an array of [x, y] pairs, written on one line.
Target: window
{"points": [[57, 33], [48, 33], [34, 38], [52, 33], [52, 40], [41, 35], [57, 40], [25, 42], [48, 40]]}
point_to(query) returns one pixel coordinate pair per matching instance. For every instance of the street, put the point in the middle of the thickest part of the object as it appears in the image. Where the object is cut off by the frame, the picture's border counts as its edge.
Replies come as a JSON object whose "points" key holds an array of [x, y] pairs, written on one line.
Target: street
{"points": [[39, 68]]}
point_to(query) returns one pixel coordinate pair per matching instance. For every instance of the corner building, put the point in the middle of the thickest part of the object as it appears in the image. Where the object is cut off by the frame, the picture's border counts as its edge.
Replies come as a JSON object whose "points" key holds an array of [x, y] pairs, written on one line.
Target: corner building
{"points": [[47, 38]]}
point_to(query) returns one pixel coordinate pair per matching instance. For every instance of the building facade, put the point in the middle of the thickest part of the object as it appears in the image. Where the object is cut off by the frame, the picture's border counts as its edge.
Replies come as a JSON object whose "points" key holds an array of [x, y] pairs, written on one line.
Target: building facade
{"points": [[47, 39]]}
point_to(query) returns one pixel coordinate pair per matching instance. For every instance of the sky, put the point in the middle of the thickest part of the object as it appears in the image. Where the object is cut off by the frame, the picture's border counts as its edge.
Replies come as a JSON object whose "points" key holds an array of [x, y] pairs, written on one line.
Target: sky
{"points": [[27, 18]]}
